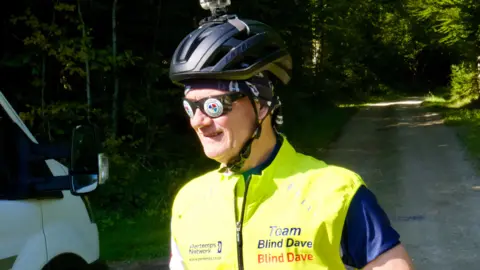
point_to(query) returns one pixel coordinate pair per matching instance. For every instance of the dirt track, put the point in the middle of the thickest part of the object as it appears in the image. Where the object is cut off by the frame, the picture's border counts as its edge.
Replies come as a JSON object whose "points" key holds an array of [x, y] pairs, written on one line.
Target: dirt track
{"points": [[423, 179], [421, 176]]}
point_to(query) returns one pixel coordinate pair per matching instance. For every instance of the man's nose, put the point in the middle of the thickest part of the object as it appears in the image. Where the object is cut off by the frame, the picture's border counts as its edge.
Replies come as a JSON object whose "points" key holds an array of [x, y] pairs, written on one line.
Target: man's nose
{"points": [[200, 120]]}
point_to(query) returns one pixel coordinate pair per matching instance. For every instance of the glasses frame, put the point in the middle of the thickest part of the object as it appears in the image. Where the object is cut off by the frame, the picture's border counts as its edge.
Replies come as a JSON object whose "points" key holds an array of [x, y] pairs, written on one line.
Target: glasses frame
{"points": [[212, 106]]}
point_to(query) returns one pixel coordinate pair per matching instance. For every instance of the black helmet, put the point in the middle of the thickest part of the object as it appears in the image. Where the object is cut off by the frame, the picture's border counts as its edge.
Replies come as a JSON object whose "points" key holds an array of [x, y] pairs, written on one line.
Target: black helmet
{"points": [[231, 49]]}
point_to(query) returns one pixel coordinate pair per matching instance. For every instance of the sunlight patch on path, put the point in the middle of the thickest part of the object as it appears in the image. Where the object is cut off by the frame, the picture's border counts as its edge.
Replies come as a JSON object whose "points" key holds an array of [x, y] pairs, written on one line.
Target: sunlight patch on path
{"points": [[404, 102]]}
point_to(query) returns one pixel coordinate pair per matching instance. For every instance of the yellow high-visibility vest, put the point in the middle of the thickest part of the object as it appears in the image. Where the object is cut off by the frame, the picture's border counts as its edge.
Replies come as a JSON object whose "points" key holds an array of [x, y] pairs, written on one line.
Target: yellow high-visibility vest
{"points": [[292, 218]]}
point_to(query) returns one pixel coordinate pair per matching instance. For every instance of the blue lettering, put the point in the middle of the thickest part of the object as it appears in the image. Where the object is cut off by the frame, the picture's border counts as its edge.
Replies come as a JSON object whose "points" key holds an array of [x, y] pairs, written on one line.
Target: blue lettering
{"points": [[277, 231], [292, 242], [270, 244], [261, 244]]}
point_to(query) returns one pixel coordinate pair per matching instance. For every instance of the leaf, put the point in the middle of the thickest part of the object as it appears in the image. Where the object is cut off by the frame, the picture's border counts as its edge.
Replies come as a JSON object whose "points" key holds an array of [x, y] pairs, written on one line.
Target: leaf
{"points": [[64, 7]]}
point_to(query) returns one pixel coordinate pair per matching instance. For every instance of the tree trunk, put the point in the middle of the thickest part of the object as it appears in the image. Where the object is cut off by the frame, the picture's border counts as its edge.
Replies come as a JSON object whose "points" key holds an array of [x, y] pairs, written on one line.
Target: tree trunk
{"points": [[478, 72], [115, 107], [87, 60], [46, 122], [321, 36], [151, 131]]}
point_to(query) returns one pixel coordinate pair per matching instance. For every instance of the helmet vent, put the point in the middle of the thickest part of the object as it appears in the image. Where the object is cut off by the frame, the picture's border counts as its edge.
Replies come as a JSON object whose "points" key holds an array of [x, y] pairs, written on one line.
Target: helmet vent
{"points": [[194, 46], [219, 54]]}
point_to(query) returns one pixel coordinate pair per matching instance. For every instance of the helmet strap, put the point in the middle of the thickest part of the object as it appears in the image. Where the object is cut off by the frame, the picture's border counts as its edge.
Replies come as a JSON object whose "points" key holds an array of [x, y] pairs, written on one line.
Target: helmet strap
{"points": [[236, 163], [277, 115]]}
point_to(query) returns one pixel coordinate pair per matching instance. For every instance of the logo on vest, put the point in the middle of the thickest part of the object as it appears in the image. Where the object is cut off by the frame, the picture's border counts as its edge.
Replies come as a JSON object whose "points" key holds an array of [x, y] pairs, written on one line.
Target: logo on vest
{"points": [[290, 243], [208, 249]]}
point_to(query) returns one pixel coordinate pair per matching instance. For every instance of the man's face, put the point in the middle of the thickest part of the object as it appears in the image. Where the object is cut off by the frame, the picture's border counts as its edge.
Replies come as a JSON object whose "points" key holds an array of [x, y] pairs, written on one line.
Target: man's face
{"points": [[222, 137]]}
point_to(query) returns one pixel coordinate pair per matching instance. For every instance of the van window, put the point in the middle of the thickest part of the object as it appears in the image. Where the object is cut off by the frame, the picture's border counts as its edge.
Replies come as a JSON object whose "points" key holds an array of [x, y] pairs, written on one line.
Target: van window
{"points": [[17, 168], [5, 148]]}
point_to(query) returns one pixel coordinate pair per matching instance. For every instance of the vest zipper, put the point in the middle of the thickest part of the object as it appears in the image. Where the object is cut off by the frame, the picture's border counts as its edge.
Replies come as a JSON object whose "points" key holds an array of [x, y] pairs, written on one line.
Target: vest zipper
{"points": [[240, 227]]}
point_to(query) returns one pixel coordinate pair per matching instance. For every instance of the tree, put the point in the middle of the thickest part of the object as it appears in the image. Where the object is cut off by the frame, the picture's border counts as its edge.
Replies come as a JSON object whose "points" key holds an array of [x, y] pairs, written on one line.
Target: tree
{"points": [[454, 24]]}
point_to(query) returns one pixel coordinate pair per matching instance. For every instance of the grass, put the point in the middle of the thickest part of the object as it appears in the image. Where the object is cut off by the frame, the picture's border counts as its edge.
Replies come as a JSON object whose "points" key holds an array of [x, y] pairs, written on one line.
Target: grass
{"points": [[467, 124], [144, 237], [432, 99], [443, 101], [464, 117]]}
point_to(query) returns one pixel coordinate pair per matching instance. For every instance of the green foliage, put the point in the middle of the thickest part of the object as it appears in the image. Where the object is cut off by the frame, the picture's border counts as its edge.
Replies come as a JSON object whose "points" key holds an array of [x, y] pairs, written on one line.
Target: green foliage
{"points": [[58, 115], [464, 84], [445, 16], [49, 38], [452, 23], [137, 187]]}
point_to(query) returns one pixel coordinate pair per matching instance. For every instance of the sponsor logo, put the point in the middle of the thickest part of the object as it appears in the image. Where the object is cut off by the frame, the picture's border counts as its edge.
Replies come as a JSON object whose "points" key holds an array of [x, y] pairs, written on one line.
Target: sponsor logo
{"points": [[205, 251], [205, 248]]}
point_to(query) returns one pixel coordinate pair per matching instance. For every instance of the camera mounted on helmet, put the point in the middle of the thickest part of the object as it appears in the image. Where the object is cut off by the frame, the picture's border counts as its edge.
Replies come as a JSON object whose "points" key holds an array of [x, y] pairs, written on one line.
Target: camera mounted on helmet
{"points": [[218, 8]]}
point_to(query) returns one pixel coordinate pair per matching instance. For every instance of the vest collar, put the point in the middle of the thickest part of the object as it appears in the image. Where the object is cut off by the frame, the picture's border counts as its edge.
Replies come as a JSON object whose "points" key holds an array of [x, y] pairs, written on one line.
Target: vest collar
{"points": [[275, 164]]}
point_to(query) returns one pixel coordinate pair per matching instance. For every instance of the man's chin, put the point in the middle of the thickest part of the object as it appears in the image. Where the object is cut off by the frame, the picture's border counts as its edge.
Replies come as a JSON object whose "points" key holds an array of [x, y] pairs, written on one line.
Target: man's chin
{"points": [[218, 156]]}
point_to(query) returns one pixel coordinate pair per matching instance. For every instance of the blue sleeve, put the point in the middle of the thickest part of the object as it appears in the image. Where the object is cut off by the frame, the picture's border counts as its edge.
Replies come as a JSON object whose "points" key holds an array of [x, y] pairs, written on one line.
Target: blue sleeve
{"points": [[367, 232]]}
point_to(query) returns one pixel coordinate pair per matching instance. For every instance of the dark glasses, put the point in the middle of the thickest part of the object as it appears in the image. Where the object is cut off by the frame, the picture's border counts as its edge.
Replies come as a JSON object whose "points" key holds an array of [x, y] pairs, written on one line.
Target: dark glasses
{"points": [[213, 106]]}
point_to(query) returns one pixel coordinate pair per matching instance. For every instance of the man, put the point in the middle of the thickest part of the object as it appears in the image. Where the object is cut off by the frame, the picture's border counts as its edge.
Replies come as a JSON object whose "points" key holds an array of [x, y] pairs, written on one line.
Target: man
{"points": [[267, 206]]}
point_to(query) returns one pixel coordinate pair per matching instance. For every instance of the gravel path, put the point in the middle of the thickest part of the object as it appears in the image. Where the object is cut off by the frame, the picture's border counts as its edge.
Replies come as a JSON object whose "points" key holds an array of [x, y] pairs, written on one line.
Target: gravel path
{"points": [[421, 175]]}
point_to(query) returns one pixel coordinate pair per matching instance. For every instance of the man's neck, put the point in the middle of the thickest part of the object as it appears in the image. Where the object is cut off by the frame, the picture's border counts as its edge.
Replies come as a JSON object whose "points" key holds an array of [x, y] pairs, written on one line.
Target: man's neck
{"points": [[261, 149]]}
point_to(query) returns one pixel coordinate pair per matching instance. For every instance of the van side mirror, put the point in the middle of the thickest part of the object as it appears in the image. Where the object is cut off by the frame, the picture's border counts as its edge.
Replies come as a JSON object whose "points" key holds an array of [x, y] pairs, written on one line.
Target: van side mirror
{"points": [[89, 167]]}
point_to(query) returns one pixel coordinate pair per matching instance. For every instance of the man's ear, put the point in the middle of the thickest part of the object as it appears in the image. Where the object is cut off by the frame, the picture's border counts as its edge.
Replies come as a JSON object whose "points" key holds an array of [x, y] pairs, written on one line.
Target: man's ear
{"points": [[262, 113]]}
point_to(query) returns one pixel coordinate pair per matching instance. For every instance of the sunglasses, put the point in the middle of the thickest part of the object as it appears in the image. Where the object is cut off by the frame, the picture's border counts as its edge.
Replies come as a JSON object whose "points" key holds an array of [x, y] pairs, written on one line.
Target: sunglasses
{"points": [[213, 106]]}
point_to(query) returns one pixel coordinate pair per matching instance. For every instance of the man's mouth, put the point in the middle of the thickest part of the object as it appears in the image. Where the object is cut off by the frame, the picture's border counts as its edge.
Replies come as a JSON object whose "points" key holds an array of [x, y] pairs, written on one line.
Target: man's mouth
{"points": [[212, 134]]}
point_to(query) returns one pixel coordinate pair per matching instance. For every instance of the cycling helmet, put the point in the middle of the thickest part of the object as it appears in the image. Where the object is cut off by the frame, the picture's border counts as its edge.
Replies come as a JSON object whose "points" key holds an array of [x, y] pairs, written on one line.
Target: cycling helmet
{"points": [[227, 51], [231, 49]]}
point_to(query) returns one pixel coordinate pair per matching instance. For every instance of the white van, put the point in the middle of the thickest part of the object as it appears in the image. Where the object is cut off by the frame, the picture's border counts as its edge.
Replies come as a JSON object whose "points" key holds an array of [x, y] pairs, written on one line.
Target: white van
{"points": [[45, 220]]}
